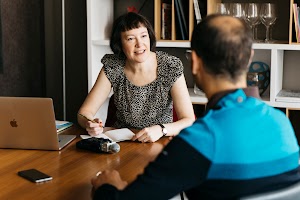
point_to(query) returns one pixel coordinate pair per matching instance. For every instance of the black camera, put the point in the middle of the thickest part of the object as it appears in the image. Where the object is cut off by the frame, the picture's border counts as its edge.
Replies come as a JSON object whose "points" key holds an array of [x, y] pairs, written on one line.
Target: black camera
{"points": [[98, 145]]}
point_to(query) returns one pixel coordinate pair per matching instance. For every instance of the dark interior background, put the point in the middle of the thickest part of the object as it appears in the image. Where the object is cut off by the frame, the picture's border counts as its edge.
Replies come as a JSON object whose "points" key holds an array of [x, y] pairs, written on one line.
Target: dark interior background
{"points": [[22, 48], [32, 58]]}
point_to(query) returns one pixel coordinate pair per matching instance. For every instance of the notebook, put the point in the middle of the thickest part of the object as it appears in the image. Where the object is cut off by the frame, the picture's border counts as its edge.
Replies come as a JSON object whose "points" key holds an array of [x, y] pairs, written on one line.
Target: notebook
{"points": [[29, 123]]}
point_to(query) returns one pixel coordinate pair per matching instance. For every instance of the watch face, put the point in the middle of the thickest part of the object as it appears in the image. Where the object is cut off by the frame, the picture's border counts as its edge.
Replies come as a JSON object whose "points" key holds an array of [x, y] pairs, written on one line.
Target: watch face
{"points": [[164, 130]]}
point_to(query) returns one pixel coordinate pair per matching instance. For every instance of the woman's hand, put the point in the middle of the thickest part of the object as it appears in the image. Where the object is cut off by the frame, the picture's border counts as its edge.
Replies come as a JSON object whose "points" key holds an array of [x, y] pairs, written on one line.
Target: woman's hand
{"points": [[94, 127], [149, 134]]}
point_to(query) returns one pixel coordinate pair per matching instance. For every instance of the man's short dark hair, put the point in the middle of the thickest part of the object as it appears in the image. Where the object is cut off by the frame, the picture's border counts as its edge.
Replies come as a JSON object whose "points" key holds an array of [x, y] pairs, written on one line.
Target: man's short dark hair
{"points": [[128, 22], [224, 48]]}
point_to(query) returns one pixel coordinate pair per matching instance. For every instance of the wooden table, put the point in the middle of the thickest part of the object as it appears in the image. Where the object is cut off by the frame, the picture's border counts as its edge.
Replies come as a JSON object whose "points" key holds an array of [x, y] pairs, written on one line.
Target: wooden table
{"points": [[71, 168]]}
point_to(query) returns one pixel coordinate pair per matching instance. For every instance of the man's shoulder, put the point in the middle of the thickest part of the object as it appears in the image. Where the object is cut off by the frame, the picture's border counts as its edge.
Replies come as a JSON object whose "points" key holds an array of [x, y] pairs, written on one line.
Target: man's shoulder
{"points": [[200, 137]]}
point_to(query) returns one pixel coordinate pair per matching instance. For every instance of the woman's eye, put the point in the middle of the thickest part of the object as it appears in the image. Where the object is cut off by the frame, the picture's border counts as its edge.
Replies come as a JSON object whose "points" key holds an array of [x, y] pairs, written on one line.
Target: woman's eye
{"points": [[144, 36], [129, 39]]}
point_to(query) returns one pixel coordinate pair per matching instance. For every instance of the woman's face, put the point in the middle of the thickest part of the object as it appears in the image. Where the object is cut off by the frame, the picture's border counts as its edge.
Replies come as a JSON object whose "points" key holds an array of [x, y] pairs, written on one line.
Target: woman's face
{"points": [[136, 44]]}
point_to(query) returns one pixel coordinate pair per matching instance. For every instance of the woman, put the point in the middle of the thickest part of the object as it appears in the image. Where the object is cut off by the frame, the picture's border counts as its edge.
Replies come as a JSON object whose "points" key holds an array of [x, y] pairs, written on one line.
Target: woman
{"points": [[146, 85]]}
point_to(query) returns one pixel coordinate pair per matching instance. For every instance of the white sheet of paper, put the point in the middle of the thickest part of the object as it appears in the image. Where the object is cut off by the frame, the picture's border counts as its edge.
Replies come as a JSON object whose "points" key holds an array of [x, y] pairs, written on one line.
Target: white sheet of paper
{"points": [[116, 135], [119, 135], [101, 135]]}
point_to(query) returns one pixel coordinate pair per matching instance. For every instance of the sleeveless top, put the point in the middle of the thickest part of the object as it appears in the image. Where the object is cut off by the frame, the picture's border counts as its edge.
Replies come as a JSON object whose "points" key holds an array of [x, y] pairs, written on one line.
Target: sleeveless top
{"points": [[143, 106]]}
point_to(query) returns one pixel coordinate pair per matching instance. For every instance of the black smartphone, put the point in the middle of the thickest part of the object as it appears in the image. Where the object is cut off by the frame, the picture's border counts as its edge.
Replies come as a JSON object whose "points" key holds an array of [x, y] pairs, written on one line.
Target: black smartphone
{"points": [[34, 175]]}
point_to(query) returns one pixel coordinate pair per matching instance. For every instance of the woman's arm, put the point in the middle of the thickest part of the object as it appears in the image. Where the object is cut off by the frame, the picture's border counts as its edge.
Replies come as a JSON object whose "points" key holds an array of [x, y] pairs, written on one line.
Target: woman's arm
{"points": [[94, 101], [183, 107]]}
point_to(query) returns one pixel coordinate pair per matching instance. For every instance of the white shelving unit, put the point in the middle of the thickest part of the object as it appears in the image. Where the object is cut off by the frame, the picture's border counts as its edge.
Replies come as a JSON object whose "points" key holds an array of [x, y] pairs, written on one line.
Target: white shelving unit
{"points": [[99, 22], [283, 59]]}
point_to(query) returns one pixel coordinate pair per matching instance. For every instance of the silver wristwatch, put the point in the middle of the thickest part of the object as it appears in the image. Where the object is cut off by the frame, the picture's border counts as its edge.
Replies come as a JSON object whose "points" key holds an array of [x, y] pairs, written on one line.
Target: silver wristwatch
{"points": [[164, 129]]}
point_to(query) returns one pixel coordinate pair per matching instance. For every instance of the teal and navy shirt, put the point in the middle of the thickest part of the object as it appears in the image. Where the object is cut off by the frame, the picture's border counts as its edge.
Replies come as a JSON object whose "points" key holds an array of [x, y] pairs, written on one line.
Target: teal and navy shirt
{"points": [[240, 146]]}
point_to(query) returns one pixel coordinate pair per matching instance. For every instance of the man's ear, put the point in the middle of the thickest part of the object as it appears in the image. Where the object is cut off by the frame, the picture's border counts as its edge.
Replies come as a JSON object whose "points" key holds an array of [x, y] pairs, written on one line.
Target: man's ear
{"points": [[196, 63]]}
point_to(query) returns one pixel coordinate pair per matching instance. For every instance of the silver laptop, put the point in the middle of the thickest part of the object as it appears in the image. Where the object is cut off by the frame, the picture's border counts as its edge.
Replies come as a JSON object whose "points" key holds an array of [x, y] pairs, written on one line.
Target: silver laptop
{"points": [[29, 123]]}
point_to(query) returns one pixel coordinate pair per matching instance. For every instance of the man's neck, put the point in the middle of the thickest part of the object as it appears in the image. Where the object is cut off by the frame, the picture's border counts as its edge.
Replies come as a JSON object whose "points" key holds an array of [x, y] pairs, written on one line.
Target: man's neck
{"points": [[217, 88], [217, 84]]}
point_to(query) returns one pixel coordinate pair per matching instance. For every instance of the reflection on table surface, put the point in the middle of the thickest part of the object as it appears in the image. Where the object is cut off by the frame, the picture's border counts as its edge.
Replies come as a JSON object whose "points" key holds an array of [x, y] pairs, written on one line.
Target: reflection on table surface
{"points": [[71, 168]]}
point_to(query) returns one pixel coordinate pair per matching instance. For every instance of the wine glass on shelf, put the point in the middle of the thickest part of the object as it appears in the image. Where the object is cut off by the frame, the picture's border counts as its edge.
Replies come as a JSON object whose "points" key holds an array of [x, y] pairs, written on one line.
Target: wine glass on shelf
{"points": [[252, 17], [222, 8], [237, 10], [268, 17]]}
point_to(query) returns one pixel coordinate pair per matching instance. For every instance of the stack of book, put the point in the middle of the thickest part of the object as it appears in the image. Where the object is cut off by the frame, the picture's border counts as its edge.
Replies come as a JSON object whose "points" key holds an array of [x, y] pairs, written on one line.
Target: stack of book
{"points": [[290, 96], [62, 125]]}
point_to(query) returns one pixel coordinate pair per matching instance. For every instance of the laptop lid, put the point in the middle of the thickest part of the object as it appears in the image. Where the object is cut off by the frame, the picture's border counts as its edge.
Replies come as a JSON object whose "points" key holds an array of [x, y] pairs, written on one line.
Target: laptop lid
{"points": [[29, 123]]}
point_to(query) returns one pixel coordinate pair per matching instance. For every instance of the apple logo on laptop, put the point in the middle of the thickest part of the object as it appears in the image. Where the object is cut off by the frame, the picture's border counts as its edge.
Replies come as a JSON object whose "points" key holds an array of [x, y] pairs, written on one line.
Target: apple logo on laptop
{"points": [[13, 123]]}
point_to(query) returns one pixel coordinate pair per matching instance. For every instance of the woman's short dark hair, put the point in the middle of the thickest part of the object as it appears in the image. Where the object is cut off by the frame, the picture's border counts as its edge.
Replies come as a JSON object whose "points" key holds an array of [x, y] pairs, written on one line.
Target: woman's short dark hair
{"points": [[128, 22]]}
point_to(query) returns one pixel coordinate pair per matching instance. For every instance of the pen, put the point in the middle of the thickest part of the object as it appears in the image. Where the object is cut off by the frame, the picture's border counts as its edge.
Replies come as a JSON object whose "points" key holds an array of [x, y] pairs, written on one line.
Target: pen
{"points": [[91, 120]]}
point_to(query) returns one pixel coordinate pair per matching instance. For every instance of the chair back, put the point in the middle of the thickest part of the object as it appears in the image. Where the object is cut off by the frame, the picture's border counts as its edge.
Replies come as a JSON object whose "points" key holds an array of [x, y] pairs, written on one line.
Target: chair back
{"points": [[291, 192]]}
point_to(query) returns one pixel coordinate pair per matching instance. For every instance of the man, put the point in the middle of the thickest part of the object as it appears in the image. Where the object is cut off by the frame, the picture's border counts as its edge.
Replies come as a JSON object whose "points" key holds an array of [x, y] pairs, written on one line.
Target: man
{"points": [[241, 146]]}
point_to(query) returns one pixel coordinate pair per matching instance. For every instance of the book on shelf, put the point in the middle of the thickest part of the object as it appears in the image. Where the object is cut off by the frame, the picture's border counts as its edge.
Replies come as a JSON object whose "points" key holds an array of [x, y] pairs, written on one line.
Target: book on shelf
{"points": [[166, 21], [181, 19], [290, 96], [197, 11], [62, 125], [296, 21]]}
